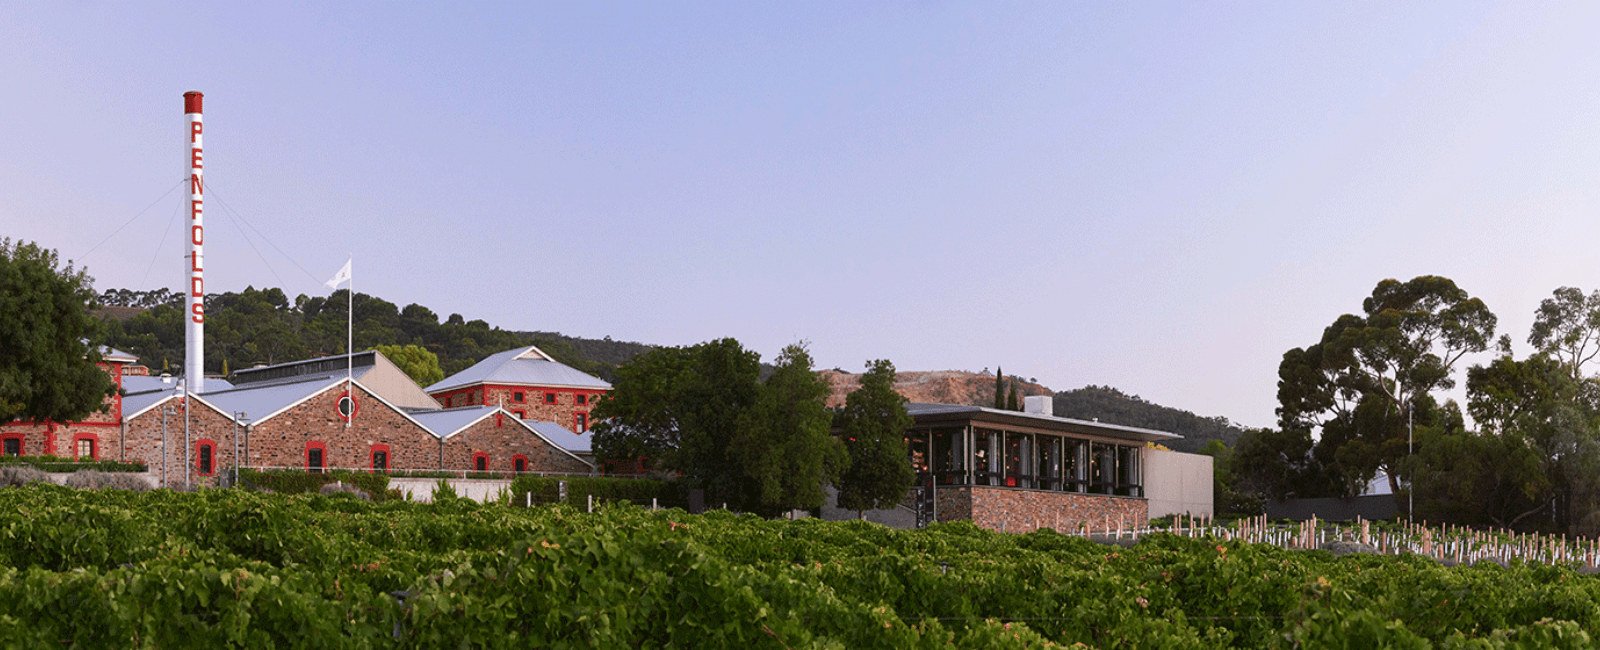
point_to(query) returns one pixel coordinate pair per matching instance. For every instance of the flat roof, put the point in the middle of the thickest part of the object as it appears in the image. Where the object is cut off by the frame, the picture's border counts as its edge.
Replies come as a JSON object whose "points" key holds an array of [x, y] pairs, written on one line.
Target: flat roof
{"points": [[925, 413]]}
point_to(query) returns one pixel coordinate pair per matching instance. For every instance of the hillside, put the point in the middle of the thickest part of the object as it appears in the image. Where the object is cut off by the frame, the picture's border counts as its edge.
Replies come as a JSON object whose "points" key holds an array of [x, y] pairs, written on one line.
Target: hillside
{"points": [[1101, 403], [939, 387], [1108, 404], [265, 326]]}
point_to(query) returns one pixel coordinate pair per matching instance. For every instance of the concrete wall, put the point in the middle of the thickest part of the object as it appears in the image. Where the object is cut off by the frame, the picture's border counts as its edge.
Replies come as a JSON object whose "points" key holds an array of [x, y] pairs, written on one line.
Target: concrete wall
{"points": [[1178, 483], [421, 489]]}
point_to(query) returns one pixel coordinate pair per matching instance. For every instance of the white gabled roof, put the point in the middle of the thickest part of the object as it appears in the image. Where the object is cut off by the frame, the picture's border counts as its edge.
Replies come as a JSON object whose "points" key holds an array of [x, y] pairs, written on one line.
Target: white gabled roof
{"points": [[527, 366]]}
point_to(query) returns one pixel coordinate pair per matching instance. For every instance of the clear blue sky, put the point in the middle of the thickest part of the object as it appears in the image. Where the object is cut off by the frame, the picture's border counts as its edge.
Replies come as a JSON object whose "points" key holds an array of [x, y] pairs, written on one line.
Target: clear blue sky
{"points": [[1159, 196]]}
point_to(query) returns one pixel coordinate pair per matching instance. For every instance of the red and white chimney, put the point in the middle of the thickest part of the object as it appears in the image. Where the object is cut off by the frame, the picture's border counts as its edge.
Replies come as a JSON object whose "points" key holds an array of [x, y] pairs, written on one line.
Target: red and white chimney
{"points": [[194, 356]]}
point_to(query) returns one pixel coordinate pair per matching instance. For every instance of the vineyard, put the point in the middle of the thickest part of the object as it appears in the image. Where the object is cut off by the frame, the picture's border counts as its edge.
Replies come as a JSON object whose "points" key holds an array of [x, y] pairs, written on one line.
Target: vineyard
{"points": [[227, 568]]}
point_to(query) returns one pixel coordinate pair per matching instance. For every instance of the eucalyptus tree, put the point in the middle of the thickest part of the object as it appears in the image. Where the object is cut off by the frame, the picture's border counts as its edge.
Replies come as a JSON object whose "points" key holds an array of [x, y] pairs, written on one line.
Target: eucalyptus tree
{"points": [[1567, 328], [1355, 389]]}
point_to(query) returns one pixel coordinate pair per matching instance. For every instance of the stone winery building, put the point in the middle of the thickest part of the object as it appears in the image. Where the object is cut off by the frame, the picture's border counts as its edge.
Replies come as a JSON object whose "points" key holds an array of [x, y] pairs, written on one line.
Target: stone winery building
{"points": [[357, 412]]}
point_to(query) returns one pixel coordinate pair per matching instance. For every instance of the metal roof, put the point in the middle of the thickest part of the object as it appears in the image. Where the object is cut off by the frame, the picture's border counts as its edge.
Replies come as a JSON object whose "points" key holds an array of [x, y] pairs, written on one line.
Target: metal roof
{"points": [[560, 436], [138, 384], [109, 353], [527, 366], [444, 423], [926, 413], [262, 400]]}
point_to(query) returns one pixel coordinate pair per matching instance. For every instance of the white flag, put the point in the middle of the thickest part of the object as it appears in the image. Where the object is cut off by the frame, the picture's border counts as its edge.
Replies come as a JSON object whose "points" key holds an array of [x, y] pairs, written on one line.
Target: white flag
{"points": [[342, 276]]}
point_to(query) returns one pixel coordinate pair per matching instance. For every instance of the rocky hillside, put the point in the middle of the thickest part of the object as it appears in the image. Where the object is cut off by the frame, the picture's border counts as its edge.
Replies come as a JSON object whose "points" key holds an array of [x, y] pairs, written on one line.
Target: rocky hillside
{"points": [[938, 386]]}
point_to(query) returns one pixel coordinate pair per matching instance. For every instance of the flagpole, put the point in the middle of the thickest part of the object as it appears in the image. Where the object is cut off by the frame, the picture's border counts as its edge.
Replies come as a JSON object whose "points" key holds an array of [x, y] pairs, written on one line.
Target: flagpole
{"points": [[349, 345]]}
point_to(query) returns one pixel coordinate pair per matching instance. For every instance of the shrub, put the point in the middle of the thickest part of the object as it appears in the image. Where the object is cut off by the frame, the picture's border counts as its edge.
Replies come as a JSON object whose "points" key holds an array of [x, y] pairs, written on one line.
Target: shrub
{"points": [[88, 479], [638, 491], [301, 482], [19, 475], [331, 489]]}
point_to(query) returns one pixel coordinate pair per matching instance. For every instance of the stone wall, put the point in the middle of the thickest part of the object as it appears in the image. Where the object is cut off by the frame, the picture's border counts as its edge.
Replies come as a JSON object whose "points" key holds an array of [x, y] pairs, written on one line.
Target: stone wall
{"points": [[283, 440], [140, 439], [502, 440], [1020, 511], [532, 406]]}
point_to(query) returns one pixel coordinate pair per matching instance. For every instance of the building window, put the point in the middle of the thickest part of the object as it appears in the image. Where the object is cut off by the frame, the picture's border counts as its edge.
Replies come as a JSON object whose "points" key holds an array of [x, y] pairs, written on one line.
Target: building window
{"points": [[480, 462], [517, 397], [13, 447], [86, 448], [203, 460], [316, 456], [549, 398], [580, 422], [519, 463], [380, 458], [471, 397], [520, 415], [580, 399]]}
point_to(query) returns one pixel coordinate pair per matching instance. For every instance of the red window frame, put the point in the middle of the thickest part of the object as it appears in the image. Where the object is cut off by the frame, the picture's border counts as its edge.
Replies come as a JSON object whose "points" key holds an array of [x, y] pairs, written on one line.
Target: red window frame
{"points": [[210, 452], [480, 461], [550, 398], [94, 445], [22, 446], [580, 398], [519, 463], [580, 422], [322, 456], [372, 458]]}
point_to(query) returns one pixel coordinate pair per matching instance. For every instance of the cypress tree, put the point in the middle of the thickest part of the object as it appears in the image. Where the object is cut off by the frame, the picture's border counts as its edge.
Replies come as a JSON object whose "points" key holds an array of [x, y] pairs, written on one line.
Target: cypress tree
{"points": [[999, 388], [1012, 402]]}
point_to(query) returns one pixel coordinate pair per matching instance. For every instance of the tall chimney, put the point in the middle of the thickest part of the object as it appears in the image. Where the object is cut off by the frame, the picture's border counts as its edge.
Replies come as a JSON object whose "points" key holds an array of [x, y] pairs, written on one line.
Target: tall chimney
{"points": [[194, 356]]}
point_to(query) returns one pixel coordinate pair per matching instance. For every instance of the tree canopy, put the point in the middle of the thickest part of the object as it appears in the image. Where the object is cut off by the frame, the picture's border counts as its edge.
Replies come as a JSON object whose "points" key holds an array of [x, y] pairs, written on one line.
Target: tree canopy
{"points": [[874, 422], [1370, 374], [49, 342], [263, 326], [702, 411]]}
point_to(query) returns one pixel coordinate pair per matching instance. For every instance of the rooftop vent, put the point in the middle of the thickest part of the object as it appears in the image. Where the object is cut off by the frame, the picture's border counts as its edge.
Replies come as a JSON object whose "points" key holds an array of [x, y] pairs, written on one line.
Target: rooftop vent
{"points": [[1039, 404]]}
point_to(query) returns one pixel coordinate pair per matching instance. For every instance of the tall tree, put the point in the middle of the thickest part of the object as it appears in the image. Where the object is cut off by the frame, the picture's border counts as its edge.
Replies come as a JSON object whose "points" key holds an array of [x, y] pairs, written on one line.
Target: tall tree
{"points": [[1544, 424], [1013, 403], [1358, 385], [681, 408], [49, 343], [999, 388], [785, 447], [1567, 328], [874, 421]]}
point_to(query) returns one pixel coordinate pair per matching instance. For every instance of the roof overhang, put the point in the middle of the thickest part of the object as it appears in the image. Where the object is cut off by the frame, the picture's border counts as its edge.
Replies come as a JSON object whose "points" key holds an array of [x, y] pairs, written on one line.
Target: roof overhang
{"points": [[955, 415]]}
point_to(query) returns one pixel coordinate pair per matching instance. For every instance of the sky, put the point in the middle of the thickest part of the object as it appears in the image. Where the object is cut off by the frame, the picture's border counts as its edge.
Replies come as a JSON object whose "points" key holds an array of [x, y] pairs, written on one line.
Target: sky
{"points": [[1162, 197]]}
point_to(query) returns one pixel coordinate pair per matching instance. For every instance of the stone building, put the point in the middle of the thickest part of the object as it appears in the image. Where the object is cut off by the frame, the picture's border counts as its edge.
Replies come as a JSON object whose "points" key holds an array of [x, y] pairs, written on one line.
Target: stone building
{"points": [[84, 438], [527, 382], [360, 413]]}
